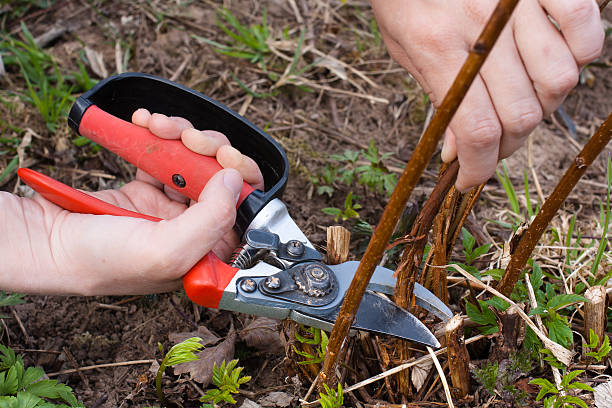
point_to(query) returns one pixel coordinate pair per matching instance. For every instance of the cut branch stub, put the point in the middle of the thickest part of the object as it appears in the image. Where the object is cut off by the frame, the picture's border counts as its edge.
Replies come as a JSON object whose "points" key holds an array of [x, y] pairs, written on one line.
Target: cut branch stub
{"points": [[550, 207], [595, 313], [458, 357], [409, 178]]}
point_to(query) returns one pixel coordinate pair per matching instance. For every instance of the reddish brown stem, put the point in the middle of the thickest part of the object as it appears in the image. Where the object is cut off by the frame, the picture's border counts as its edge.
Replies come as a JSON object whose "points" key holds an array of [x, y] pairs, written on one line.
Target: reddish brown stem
{"points": [[415, 167], [532, 235]]}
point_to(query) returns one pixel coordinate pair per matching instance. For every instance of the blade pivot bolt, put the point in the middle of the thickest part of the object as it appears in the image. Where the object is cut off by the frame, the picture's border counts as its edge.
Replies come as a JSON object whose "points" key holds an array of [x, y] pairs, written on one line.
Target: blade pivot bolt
{"points": [[295, 248], [272, 282], [248, 285]]}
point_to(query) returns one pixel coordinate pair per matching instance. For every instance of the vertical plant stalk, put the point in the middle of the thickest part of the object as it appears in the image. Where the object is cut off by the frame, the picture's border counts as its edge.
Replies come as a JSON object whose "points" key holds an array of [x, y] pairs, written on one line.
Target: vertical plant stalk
{"points": [[446, 228], [458, 357], [595, 313], [532, 235], [409, 178], [407, 271]]}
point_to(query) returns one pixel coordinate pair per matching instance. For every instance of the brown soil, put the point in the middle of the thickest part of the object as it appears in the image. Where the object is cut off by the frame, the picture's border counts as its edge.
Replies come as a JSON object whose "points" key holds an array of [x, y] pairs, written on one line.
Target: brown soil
{"points": [[161, 38]]}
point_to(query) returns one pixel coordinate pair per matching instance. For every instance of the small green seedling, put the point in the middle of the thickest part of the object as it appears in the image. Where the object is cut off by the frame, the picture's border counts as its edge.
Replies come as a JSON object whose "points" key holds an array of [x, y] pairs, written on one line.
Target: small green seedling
{"points": [[331, 398], [180, 353], [319, 338], [349, 212], [561, 398], [22, 387], [598, 353], [227, 378]]}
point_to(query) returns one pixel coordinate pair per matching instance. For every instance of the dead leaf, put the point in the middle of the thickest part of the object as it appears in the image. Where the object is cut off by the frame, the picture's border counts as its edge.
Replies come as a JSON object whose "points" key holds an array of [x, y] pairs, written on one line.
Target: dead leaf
{"points": [[262, 333], [419, 373], [603, 395], [334, 66], [96, 62], [201, 370], [206, 335]]}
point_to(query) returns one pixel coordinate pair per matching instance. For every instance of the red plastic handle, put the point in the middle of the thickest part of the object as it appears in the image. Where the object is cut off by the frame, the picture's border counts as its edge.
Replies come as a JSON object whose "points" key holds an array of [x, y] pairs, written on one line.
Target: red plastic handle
{"points": [[205, 283], [169, 161]]}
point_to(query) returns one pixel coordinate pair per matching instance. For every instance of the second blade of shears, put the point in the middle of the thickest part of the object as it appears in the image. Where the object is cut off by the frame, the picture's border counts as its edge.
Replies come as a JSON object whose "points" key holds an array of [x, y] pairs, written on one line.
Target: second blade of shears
{"points": [[383, 281], [380, 315]]}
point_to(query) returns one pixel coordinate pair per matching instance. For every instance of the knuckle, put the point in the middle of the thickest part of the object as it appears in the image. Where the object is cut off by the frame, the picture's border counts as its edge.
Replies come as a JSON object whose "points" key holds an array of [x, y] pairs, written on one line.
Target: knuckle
{"points": [[523, 119], [577, 13], [559, 85], [482, 133]]}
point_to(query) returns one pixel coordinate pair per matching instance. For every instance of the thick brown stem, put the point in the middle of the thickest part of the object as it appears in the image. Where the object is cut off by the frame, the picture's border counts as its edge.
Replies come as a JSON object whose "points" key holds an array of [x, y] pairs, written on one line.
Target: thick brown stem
{"points": [[458, 357], [595, 313], [550, 207], [409, 178]]}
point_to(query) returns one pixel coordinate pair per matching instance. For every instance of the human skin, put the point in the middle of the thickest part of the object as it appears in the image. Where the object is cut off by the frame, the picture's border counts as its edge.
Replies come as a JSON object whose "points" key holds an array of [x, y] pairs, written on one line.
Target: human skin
{"points": [[528, 74], [47, 250]]}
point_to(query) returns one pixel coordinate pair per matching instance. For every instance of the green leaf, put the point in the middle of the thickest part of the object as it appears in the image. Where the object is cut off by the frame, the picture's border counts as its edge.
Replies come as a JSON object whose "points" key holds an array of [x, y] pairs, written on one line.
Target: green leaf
{"points": [[484, 318], [8, 381], [560, 301], [567, 378], [575, 400], [559, 331], [31, 375], [468, 240], [580, 386], [537, 277], [498, 303]]}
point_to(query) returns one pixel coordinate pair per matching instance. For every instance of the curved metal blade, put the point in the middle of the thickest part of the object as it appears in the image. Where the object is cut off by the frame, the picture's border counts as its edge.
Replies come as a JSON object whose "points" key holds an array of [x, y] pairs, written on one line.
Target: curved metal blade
{"points": [[383, 281], [378, 314]]}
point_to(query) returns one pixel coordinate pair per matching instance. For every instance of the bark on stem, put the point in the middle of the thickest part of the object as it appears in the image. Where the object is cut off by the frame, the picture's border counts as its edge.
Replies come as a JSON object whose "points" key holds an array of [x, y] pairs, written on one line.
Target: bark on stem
{"points": [[595, 313], [458, 357], [550, 207], [415, 167]]}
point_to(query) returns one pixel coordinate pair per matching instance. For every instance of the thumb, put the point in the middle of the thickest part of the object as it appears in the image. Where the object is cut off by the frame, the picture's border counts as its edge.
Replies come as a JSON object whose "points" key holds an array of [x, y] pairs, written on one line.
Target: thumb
{"points": [[195, 232]]}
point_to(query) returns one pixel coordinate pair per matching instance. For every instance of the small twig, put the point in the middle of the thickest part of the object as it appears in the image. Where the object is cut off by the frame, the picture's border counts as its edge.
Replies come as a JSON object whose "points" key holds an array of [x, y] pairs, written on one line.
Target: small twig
{"points": [[449, 398], [561, 353], [107, 365], [532, 235], [112, 307], [20, 350], [26, 336], [409, 178], [72, 360]]}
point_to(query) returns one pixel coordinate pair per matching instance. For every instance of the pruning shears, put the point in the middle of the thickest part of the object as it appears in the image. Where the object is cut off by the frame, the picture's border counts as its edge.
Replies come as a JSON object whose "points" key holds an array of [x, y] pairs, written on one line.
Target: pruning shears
{"points": [[276, 272]]}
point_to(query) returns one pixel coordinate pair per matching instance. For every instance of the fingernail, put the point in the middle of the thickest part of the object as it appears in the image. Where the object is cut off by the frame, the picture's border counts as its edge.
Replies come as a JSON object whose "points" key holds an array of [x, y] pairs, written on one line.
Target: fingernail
{"points": [[233, 181], [445, 153]]}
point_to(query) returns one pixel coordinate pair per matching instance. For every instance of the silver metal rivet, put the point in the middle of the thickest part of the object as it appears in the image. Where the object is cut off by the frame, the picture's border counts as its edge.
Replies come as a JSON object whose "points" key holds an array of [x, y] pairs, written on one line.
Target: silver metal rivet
{"points": [[295, 248], [248, 285], [272, 282]]}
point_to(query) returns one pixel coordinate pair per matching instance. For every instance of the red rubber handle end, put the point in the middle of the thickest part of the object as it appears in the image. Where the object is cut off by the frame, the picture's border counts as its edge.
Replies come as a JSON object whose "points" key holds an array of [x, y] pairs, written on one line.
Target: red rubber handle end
{"points": [[205, 283]]}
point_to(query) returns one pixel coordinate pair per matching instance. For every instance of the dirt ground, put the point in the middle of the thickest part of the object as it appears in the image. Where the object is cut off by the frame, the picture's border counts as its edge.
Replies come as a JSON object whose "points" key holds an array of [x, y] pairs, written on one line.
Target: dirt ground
{"points": [[357, 94]]}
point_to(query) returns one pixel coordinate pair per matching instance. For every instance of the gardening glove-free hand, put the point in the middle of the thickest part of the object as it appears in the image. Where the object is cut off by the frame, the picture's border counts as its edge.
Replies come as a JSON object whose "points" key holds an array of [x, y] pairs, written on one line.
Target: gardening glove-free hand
{"points": [[46, 249], [528, 74]]}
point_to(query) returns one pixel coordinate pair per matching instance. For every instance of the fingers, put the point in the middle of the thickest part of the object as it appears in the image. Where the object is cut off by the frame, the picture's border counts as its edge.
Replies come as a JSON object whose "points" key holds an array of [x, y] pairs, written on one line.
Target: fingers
{"points": [[580, 25], [515, 101], [211, 143], [478, 132], [229, 157], [547, 58], [166, 127], [201, 226], [205, 142]]}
